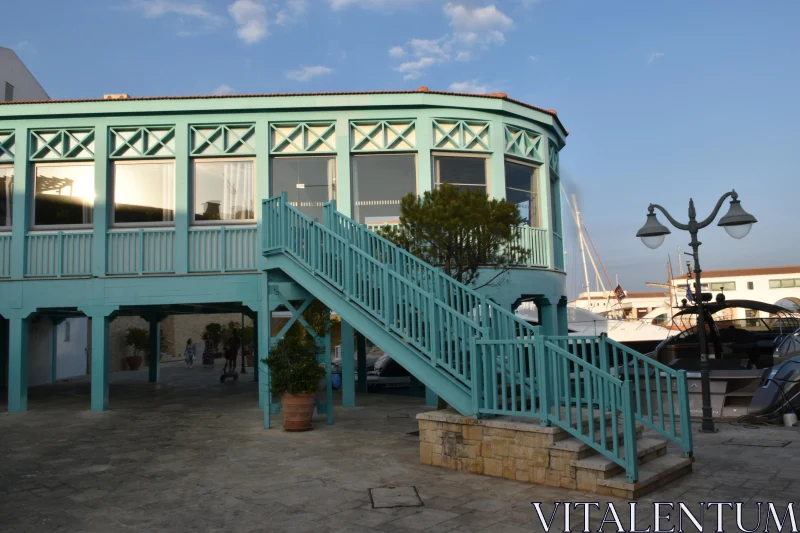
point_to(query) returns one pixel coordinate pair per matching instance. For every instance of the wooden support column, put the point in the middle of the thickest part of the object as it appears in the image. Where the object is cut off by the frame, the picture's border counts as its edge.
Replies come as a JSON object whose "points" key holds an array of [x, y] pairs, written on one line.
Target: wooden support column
{"points": [[101, 318], [348, 366], [431, 399], [563, 317], [361, 346], [154, 349], [328, 369], [18, 363]]}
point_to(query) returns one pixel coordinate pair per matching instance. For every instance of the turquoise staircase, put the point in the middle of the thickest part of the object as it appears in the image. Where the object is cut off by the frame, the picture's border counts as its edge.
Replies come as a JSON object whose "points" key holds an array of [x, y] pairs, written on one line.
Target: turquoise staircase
{"points": [[480, 358]]}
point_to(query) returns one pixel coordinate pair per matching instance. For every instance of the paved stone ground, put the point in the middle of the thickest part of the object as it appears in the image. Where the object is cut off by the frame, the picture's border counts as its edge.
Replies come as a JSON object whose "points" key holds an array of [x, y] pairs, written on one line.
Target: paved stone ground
{"points": [[190, 454]]}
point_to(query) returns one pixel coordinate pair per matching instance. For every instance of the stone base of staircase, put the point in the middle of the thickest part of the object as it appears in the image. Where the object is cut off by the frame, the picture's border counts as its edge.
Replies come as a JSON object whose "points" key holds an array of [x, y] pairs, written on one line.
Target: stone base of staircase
{"points": [[523, 450]]}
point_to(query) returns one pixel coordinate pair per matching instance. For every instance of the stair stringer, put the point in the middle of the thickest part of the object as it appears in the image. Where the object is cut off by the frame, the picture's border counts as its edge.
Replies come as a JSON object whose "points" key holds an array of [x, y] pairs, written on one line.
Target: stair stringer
{"points": [[457, 396]]}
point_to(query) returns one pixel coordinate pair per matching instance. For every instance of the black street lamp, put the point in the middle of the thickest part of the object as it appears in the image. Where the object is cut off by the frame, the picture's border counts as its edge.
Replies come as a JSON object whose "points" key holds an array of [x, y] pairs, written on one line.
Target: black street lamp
{"points": [[737, 222]]}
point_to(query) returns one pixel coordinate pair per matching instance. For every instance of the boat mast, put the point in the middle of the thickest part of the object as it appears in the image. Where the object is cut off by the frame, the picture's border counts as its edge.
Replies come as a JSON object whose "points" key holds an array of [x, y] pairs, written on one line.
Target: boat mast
{"points": [[581, 243]]}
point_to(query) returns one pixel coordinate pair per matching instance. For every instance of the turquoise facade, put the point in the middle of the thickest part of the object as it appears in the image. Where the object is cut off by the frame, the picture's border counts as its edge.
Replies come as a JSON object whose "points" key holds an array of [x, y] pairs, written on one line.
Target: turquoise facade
{"points": [[102, 270]]}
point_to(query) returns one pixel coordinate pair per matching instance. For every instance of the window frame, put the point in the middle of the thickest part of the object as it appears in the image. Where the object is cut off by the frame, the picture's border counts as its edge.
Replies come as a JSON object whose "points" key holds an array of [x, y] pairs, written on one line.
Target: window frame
{"points": [[334, 156], [355, 155], [192, 188], [59, 227], [4, 227], [486, 156], [536, 178], [111, 194]]}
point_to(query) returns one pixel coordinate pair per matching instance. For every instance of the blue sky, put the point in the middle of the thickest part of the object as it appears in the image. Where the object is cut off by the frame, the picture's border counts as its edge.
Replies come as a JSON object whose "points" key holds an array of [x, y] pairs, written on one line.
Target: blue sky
{"points": [[664, 100]]}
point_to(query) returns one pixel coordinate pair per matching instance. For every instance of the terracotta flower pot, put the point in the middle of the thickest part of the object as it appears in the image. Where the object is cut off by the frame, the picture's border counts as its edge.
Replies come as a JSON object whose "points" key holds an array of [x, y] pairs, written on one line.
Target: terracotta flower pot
{"points": [[297, 411], [134, 361]]}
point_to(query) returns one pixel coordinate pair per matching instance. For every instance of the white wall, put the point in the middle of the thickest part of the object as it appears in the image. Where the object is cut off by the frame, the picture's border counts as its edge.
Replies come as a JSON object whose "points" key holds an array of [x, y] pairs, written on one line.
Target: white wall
{"points": [[14, 71], [40, 351], [71, 348]]}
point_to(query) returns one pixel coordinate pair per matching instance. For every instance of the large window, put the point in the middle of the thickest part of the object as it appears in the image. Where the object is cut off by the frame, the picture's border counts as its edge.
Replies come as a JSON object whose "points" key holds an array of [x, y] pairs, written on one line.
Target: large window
{"points": [[379, 182], [466, 173], [63, 195], [717, 286], [521, 189], [224, 191], [6, 193], [309, 181], [784, 283], [144, 192]]}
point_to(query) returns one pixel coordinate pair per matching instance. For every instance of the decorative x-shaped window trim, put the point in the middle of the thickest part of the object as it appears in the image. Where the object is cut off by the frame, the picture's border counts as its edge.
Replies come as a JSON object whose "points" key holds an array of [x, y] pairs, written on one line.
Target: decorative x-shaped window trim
{"points": [[142, 142], [304, 137], [523, 143], [222, 139], [454, 134], [7, 145], [64, 144], [383, 135]]}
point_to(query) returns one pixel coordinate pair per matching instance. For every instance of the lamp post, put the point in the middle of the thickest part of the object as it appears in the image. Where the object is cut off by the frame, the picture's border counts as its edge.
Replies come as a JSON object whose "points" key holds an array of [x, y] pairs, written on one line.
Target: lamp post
{"points": [[737, 222]]}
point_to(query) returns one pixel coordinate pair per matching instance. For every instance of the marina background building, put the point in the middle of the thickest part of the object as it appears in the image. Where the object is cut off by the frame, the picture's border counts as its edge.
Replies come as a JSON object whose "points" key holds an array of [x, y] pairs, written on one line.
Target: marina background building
{"points": [[16, 81]]}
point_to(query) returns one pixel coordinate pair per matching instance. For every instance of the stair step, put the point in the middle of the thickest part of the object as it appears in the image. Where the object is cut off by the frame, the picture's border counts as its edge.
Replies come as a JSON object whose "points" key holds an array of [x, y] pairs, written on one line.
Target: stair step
{"points": [[652, 475], [576, 445], [607, 468]]}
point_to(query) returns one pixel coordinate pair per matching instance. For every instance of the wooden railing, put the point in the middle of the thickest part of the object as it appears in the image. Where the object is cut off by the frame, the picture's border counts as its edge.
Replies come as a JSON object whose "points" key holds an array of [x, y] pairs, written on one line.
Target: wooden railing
{"points": [[58, 254], [140, 251], [223, 249]]}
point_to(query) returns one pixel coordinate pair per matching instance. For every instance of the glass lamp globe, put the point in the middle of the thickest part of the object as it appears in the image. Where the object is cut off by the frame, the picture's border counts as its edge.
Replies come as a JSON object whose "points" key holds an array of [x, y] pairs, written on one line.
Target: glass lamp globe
{"points": [[654, 241], [740, 231]]}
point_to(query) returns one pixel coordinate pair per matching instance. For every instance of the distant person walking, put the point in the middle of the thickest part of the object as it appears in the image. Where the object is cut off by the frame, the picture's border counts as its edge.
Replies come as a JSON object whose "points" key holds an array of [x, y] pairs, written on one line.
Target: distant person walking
{"points": [[208, 354], [189, 353], [231, 351]]}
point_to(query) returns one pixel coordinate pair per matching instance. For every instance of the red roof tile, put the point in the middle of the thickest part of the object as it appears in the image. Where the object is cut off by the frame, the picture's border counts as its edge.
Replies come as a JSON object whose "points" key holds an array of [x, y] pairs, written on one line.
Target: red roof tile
{"points": [[502, 96]]}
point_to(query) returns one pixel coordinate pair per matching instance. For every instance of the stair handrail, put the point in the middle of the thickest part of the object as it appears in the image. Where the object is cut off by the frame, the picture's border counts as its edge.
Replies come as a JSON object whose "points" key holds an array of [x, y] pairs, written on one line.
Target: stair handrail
{"points": [[639, 374], [357, 234], [558, 368]]}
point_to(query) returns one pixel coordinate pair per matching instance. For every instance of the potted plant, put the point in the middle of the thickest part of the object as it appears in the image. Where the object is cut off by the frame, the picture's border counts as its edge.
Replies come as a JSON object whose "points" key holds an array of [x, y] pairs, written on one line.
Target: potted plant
{"points": [[295, 375], [139, 340]]}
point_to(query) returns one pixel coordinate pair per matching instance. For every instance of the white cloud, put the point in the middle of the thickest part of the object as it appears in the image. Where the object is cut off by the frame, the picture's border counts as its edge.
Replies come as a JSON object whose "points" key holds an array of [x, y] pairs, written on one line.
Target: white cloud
{"points": [[436, 48], [159, 8], [478, 20], [655, 56], [250, 17], [534, 58], [222, 89], [307, 73], [472, 27], [397, 52], [413, 69], [292, 11], [469, 86], [341, 4]]}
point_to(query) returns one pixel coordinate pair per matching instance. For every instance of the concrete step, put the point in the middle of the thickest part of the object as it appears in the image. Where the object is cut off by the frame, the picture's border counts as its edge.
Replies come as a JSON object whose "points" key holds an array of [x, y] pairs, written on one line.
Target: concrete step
{"points": [[575, 445], [647, 449], [652, 475]]}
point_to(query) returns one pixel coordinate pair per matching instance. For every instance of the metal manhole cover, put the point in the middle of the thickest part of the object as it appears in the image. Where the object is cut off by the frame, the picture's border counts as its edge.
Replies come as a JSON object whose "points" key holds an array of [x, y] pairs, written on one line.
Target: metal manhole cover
{"points": [[390, 497], [758, 443]]}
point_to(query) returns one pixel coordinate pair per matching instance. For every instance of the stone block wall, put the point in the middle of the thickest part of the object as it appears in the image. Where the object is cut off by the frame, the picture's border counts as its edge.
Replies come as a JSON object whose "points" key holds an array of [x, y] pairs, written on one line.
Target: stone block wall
{"points": [[512, 450]]}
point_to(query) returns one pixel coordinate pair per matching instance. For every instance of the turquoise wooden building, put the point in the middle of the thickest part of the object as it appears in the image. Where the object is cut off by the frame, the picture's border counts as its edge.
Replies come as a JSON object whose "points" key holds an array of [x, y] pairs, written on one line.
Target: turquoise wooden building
{"points": [[152, 206]]}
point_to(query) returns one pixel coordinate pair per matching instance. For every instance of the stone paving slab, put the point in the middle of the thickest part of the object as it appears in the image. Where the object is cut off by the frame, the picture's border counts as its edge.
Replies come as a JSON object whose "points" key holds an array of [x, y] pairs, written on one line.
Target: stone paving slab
{"points": [[190, 454]]}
